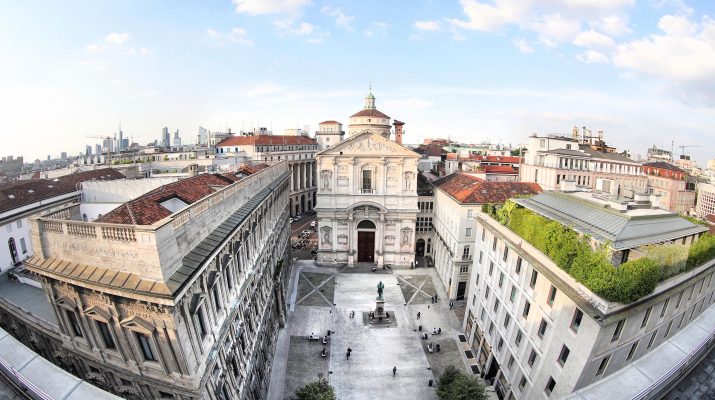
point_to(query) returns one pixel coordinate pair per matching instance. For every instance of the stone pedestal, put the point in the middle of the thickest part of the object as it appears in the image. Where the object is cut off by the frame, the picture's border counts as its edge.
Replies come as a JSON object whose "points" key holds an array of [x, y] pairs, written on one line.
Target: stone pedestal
{"points": [[380, 309], [380, 315]]}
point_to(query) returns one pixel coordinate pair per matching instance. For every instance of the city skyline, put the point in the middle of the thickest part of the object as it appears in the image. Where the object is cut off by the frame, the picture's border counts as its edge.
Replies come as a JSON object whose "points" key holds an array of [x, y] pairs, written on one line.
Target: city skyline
{"points": [[640, 71]]}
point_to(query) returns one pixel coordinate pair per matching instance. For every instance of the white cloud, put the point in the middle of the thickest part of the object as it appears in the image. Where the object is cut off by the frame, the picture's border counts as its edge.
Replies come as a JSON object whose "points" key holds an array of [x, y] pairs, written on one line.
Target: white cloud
{"points": [[116, 38], [523, 46], [685, 53], [554, 29], [676, 25], [427, 25], [376, 28], [593, 57], [319, 37], [491, 17], [256, 7], [94, 48], [143, 51], [614, 25], [341, 19], [237, 36], [593, 39]]}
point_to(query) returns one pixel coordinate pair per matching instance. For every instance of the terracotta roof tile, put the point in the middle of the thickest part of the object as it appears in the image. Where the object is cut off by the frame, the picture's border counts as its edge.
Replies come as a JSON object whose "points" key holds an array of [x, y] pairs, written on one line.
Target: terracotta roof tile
{"points": [[266, 140], [472, 190], [330, 122], [20, 193], [369, 112], [147, 209], [499, 169]]}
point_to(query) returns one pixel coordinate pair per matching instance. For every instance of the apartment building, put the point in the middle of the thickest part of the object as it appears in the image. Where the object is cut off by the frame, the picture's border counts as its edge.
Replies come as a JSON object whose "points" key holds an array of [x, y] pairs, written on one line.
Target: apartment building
{"points": [[176, 294], [706, 200], [537, 333], [558, 162], [299, 151], [458, 201], [671, 184]]}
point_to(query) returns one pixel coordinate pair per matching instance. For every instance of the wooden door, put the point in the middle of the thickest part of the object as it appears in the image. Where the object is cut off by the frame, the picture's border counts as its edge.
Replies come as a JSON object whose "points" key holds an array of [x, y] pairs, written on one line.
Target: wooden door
{"points": [[366, 246]]}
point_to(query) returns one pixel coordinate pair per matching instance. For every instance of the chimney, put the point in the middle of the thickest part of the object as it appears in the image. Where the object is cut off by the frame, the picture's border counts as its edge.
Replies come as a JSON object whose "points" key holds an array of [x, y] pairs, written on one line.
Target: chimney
{"points": [[193, 169], [398, 131]]}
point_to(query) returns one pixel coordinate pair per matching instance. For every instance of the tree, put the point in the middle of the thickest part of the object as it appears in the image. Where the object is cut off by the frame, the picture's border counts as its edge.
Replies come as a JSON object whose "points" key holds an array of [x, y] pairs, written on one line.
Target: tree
{"points": [[455, 385], [318, 390]]}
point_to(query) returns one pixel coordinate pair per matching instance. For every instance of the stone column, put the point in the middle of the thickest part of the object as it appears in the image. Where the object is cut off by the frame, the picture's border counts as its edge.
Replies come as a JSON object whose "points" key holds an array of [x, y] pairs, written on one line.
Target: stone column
{"points": [[380, 239], [352, 240]]}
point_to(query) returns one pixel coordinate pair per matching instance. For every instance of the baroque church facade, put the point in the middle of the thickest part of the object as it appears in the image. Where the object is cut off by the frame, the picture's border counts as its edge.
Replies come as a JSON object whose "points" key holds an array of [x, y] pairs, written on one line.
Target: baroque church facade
{"points": [[367, 194]]}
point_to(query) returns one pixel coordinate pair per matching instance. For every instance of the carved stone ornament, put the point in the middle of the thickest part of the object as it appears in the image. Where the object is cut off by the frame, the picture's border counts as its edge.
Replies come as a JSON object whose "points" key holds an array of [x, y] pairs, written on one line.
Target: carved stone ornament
{"points": [[409, 177], [389, 239], [343, 168], [342, 239], [325, 178], [391, 182], [326, 235], [369, 145], [406, 236], [343, 181]]}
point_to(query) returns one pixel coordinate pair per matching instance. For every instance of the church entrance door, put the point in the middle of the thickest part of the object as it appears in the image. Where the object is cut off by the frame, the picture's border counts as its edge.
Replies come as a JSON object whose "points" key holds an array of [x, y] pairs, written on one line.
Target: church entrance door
{"points": [[366, 247]]}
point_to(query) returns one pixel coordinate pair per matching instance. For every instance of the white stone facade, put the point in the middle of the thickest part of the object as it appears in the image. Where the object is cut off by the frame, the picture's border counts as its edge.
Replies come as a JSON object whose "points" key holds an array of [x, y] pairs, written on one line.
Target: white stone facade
{"points": [[367, 202]]}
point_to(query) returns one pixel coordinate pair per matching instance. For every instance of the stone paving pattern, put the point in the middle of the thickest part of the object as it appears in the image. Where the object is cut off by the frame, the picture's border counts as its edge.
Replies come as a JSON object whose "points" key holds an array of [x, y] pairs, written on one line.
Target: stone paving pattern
{"points": [[699, 384], [368, 372]]}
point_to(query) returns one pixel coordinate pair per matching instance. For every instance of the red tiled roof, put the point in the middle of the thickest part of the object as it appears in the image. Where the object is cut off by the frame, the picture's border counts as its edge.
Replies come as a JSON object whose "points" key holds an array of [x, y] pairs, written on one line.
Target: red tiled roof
{"points": [[431, 150], [331, 122], [468, 189], [266, 140], [147, 209], [369, 112], [489, 159], [499, 169], [19, 193]]}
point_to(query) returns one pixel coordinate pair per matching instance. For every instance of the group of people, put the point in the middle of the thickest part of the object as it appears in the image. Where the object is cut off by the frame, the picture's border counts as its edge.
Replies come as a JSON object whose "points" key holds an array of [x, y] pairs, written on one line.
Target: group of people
{"points": [[435, 299], [432, 347]]}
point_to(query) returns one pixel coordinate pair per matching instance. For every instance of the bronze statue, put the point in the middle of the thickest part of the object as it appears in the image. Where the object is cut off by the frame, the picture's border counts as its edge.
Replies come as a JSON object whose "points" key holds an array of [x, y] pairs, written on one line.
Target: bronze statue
{"points": [[380, 287]]}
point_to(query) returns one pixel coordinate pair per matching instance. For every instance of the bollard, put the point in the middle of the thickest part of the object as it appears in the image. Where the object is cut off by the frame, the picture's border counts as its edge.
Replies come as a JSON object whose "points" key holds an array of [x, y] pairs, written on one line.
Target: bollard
{"points": [[430, 382], [419, 328]]}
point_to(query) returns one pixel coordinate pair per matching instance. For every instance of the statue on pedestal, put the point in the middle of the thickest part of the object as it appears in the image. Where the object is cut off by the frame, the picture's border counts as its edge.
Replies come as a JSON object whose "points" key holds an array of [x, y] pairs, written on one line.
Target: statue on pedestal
{"points": [[380, 288]]}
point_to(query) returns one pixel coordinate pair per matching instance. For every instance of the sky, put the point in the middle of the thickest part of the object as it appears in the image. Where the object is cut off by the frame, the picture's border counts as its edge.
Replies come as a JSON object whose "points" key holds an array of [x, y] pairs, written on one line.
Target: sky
{"points": [[643, 71]]}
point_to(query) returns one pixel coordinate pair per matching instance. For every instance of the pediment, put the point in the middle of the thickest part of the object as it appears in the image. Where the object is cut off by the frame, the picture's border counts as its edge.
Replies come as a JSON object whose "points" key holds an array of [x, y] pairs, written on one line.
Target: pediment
{"points": [[369, 143]]}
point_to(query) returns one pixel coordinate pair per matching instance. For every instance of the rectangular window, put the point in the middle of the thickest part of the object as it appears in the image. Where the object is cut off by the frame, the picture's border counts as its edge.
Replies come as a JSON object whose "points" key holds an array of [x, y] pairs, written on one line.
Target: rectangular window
{"points": [[507, 319], [667, 330], [517, 339], [510, 363], [501, 279], [576, 320], [527, 307], [646, 316], [106, 335], [619, 329], [542, 328], [491, 267], [74, 323], [484, 233], [465, 252], [602, 366], [518, 265], [652, 339], [145, 346], [632, 351], [486, 293], [552, 296], [200, 322], [534, 277], [680, 297], [522, 383], [500, 344], [481, 254], [23, 247], [19, 223], [367, 181], [512, 295], [468, 232], [491, 328], [550, 386], [217, 298], [494, 244], [506, 253], [532, 358], [496, 304], [665, 308], [564, 355], [474, 299], [482, 314]]}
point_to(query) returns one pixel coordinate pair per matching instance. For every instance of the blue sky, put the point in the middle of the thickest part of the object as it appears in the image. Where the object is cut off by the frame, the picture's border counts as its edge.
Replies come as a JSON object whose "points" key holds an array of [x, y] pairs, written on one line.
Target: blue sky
{"points": [[474, 70]]}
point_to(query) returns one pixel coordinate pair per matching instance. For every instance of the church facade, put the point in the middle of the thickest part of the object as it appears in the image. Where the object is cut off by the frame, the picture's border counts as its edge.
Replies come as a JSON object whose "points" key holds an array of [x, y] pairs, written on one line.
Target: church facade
{"points": [[367, 195]]}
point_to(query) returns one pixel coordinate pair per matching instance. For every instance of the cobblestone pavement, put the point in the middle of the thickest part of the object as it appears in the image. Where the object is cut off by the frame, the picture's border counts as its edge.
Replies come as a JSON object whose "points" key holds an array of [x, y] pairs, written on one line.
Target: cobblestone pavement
{"points": [[375, 350], [699, 384]]}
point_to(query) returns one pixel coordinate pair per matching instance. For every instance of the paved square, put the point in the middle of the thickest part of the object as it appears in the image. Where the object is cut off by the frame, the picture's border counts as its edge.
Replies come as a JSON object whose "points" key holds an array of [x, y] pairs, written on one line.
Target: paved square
{"points": [[375, 349]]}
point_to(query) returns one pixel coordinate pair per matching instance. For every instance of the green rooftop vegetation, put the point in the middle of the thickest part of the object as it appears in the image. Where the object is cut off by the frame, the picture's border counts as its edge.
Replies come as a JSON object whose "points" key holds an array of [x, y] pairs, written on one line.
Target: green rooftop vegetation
{"points": [[590, 265]]}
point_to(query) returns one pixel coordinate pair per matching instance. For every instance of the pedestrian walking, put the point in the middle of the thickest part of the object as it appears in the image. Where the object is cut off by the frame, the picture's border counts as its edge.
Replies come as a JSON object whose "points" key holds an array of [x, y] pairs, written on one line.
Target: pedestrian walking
{"points": [[418, 315], [394, 371], [350, 350], [451, 304]]}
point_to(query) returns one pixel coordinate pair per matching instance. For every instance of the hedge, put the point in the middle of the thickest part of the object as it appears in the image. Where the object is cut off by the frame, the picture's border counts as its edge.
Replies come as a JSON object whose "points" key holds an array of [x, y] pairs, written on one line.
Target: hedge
{"points": [[573, 253]]}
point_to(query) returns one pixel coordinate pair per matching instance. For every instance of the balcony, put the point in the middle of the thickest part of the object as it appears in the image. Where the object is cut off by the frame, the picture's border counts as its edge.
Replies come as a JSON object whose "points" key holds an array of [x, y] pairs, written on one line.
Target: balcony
{"points": [[367, 191]]}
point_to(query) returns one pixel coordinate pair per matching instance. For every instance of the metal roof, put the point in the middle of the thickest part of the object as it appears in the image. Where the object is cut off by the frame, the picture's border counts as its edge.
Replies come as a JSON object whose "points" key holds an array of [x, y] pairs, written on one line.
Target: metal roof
{"points": [[605, 224]]}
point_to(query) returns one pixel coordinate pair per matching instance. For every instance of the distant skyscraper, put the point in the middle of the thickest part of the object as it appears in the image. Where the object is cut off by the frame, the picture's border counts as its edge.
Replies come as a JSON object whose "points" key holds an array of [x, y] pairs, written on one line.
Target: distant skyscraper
{"points": [[120, 141], [63, 155], [165, 137], [177, 139], [203, 137], [98, 149], [125, 143], [88, 150], [48, 157]]}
